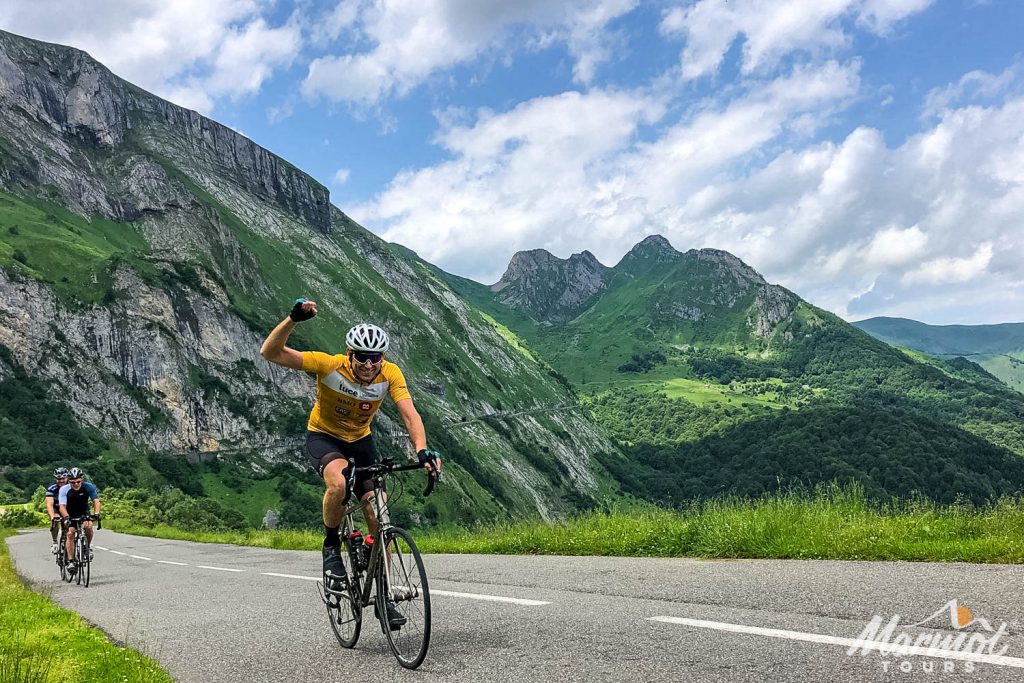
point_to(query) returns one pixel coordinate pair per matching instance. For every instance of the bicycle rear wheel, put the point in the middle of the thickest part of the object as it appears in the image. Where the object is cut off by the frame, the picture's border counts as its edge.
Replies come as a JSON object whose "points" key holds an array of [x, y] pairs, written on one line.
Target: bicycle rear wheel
{"points": [[344, 609], [402, 580]]}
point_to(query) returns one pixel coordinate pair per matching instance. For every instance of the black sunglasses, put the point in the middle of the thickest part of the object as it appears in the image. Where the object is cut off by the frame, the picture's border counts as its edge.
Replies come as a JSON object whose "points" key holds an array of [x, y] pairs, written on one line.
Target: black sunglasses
{"points": [[76, 481], [362, 357]]}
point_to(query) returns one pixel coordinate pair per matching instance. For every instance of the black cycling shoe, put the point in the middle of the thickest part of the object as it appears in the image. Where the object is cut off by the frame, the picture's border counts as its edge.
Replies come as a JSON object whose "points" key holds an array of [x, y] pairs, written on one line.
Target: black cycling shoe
{"points": [[395, 618], [334, 570]]}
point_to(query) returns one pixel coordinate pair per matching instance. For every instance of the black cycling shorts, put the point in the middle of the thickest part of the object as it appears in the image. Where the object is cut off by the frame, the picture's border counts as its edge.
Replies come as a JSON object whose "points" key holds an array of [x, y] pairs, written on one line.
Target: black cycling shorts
{"points": [[324, 448]]}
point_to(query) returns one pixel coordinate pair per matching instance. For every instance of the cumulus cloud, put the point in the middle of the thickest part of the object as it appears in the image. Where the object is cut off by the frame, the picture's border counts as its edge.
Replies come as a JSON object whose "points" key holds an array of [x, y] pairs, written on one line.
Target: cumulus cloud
{"points": [[341, 176], [408, 42], [772, 29], [942, 270], [188, 51]]}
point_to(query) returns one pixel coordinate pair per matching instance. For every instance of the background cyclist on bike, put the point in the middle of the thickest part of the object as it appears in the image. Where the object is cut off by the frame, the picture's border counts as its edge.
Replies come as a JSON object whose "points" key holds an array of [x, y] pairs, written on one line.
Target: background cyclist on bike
{"points": [[74, 500], [60, 477], [350, 389]]}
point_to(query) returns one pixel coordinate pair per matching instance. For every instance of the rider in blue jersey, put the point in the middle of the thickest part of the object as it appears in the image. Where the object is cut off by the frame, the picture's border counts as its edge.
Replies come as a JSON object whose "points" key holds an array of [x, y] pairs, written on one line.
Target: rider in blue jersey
{"points": [[74, 500]]}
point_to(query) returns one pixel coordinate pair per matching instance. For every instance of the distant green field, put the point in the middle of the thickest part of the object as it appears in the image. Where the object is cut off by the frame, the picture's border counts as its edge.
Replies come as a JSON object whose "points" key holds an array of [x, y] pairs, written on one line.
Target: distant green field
{"points": [[1008, 367], [702, 393]]}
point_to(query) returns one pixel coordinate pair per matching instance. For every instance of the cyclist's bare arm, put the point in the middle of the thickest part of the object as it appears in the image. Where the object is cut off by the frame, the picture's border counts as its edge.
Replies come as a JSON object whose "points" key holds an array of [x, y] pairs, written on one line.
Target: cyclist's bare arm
{"points": [[96, 507], [51, 509], [274, 349], [414, 425]]}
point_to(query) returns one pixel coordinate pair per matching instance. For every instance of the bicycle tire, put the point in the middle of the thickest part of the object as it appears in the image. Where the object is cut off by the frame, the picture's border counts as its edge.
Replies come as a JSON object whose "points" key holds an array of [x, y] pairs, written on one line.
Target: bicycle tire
{"points": [[78, 557], [410, 594], [62, 559], [347, 618], [85, 566]]}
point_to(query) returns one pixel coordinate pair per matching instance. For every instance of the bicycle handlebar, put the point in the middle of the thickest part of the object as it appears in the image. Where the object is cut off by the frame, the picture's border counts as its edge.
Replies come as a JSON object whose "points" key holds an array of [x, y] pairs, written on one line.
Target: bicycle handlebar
{"points": [[387, 466], [95, 518]]}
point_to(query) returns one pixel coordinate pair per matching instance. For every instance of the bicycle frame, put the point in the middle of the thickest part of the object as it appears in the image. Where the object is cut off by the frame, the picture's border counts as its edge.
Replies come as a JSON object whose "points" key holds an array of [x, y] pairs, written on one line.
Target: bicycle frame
{"points": [[380, 509]]}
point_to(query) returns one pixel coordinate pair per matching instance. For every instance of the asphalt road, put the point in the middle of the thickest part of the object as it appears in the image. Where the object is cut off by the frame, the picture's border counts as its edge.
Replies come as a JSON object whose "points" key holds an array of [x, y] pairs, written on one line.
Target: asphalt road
{"points": [[211, 613]]}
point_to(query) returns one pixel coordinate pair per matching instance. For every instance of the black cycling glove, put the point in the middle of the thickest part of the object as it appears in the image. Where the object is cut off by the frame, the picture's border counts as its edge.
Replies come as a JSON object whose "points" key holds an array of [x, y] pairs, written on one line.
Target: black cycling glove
{"points": [[426, 456], [298, 314]]}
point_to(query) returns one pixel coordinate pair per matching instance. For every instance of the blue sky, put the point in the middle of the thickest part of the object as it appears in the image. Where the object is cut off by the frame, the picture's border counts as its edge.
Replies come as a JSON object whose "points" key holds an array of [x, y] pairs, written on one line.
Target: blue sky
{"points": [[867, 154]]}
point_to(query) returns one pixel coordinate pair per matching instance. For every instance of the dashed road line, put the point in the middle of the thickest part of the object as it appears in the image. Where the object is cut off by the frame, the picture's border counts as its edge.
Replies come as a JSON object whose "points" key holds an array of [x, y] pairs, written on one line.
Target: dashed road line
{"points": [[490, 598], [140, 557], [176, 564], [219, 569], [999, 660], [118, 552], [292, 576], [100, 547]]}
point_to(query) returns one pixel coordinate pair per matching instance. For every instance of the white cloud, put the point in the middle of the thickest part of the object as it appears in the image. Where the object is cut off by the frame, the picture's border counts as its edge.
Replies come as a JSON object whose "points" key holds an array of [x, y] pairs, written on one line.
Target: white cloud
{"points": [[341, 176], [855, 225], [412, 41], [771, 29], [189, 51], [942, 270], [894, 246], [972, 86]]}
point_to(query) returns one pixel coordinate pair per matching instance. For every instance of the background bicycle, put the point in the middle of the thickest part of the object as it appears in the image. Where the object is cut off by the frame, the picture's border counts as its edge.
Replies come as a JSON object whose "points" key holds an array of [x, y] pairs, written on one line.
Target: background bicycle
{"points": [[386, 572]]}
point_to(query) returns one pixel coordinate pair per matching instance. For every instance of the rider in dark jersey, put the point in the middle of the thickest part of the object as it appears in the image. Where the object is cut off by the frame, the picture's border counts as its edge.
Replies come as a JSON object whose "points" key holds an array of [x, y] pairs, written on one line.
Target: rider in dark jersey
{"points": [[60, 477], [74, 500]]}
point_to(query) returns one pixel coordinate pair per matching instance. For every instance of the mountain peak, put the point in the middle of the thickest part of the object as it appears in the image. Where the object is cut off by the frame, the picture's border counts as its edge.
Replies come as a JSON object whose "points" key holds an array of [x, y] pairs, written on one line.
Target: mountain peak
{"points": [[652, 250], [740, 271], [549, 288]]}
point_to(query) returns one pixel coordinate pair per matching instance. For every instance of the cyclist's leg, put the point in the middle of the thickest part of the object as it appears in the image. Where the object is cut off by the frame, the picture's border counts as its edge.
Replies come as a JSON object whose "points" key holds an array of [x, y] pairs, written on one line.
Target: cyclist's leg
{"points": [[70, 542], [88, 530], [54, 529], [364, 453], [325, 455]]}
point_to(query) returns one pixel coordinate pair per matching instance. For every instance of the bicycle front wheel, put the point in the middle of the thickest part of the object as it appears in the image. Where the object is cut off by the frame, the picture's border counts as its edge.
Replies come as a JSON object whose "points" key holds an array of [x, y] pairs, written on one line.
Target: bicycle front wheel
{"points": [[402, 586], [85, 564], [78, 558], [62, 561]]}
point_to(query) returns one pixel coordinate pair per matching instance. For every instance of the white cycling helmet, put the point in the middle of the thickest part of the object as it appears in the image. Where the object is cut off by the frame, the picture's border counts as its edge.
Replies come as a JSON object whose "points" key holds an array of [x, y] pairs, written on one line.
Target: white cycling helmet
{"points": [[366, 337]]}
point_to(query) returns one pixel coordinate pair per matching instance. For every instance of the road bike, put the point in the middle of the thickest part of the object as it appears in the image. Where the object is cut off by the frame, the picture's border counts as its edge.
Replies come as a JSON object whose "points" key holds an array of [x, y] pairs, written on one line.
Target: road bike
{"points": [[384, 570], [83, 553]]}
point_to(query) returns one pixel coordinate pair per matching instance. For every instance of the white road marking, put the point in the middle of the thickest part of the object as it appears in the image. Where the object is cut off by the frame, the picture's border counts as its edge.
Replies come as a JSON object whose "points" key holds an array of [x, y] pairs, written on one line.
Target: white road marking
{"points": [[844, 642], [220, 569], [140, 557], [118, 552], [100, 547], [490, 598], [176, 564], [292, 576]]}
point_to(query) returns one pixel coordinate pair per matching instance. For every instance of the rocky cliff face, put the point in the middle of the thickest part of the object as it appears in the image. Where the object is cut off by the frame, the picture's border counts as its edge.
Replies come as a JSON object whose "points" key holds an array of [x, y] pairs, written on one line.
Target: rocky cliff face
{"points": [[154, 339], [551, 289]]}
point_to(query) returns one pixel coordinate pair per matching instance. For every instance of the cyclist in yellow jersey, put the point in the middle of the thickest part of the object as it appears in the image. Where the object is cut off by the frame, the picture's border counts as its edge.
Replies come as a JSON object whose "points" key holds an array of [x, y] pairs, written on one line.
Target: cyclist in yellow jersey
{"points": [[350, 389]]}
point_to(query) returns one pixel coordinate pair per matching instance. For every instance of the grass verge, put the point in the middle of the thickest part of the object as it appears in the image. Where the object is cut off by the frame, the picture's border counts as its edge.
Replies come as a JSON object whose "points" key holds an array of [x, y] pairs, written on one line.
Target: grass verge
{"points": [[835, 523], [42, 642]]}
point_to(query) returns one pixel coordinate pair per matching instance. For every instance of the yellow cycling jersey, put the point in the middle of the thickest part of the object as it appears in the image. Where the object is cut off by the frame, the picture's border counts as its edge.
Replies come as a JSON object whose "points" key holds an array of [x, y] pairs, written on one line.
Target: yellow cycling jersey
{"points": [[344, 407]]}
